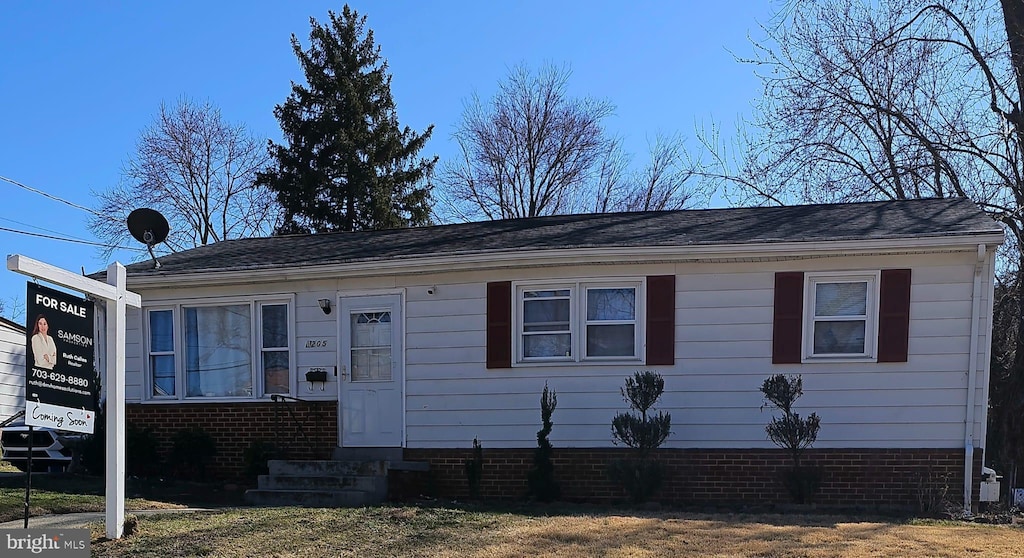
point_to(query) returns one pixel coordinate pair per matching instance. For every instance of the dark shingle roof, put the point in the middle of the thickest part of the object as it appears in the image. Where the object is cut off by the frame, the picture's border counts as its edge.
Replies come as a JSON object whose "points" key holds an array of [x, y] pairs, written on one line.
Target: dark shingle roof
{"points": [[816, 223]]}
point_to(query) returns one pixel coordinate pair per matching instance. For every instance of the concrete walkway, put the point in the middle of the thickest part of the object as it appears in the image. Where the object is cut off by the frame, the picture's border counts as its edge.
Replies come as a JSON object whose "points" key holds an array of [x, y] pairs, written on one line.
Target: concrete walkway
{"points": [[84, 519]]}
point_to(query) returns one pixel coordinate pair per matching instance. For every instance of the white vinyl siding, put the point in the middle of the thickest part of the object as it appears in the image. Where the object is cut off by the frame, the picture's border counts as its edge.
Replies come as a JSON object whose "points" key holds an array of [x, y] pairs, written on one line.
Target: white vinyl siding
{"points": [[723, 341], [12, 371], [723, 353]]}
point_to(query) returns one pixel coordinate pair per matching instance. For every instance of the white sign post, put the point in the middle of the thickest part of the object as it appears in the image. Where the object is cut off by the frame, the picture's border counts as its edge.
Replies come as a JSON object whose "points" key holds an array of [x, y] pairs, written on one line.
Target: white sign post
{"points": [[117, 296]]}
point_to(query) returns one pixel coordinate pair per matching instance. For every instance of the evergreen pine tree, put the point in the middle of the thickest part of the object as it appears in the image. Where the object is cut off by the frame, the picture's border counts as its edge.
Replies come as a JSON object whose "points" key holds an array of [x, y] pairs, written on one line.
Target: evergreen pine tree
{"points": [[348, 165]]}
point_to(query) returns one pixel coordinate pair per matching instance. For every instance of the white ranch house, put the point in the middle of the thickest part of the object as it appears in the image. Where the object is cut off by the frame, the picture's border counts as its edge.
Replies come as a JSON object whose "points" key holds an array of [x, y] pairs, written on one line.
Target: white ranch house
{"points": [[12, 368], [420, 340]]}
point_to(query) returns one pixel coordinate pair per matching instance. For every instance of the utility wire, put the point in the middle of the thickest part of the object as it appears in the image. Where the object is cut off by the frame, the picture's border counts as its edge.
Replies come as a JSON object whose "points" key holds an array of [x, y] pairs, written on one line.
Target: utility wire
{"points": [[38, 228], [51, 237], [55, 198]]}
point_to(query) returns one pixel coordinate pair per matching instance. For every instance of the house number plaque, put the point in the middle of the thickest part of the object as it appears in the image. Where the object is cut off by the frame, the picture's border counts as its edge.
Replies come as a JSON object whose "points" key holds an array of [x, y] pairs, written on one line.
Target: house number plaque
{"points": [[316, 343]]}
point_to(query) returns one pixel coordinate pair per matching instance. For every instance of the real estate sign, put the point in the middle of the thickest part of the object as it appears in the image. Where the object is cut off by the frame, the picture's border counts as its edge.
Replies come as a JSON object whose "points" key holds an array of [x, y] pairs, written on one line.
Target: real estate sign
{"points": [[60, 382]]}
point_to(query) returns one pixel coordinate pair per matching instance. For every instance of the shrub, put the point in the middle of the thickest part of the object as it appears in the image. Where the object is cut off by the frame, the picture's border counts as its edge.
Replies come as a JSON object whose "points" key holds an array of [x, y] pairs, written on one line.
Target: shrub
{"points": [[255, 457], [643, 432], [541, 479], [475, 469], [191, 451], [141, 456], [792, 433]]}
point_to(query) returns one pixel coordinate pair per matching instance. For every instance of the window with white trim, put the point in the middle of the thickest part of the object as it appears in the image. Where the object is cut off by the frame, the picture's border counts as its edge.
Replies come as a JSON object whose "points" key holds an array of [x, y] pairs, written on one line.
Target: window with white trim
{"points": [[547, 330], [161, 353], [578, 321], [842, 315], [274, 348], [237, 349]]}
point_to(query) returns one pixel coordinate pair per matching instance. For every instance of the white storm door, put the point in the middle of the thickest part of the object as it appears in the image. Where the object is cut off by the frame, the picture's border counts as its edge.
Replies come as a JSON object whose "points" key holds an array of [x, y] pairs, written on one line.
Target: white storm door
{"points": [[370, 399]]}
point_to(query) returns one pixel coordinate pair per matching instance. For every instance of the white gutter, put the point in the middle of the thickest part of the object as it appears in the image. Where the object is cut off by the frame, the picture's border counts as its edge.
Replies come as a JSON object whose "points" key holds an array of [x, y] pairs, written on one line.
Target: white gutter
{"points": [[972, 371], [545, 257]]}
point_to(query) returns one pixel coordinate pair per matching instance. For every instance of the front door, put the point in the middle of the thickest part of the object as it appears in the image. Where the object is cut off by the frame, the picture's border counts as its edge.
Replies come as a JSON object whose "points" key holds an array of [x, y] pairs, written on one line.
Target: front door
{"points": [[370, 405]]}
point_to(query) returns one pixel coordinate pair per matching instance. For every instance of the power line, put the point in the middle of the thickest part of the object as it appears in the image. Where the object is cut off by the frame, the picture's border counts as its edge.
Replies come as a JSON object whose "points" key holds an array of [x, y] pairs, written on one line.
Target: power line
{"points": [[55, 198], [62, 239], [38, 228]]}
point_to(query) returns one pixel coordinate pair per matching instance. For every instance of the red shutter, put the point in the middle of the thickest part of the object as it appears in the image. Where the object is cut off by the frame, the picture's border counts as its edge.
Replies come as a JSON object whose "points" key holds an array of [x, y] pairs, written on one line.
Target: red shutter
{"points": [[499, 324], [894, 315], [787, 326], [661, 319]]}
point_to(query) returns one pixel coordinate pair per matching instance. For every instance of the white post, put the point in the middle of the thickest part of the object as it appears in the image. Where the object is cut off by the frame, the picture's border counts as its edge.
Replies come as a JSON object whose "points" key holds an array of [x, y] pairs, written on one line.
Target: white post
{"points": [[115, 408], [118, 298]]}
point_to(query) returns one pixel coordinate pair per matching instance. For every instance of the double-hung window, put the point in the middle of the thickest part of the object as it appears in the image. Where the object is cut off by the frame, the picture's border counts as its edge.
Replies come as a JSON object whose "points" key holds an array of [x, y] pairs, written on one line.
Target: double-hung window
{"points": [[842, 313], [232, 350], [274, 348], [161, 353], [547, 319], [577, 321], [611, 322]]}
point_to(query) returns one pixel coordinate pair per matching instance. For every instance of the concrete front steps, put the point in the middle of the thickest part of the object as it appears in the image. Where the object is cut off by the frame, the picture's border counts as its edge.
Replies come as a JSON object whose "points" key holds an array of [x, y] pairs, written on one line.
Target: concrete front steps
{"points": [[352, 478], [321, 484]]}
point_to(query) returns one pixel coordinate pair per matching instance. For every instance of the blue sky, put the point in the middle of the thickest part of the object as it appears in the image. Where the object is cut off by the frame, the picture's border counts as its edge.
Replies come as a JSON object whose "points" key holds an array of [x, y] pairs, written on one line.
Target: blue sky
{"points": [[79, 80]]}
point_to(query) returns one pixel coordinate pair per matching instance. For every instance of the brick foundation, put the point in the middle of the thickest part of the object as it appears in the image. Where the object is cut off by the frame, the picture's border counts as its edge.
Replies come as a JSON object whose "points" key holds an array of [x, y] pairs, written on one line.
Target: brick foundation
{"points": [[235, 426], [851, 478]]}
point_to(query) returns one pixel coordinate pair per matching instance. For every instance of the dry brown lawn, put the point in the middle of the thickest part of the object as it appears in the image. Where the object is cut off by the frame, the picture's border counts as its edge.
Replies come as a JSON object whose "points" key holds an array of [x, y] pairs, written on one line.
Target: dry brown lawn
{"points": [[446, 532]]}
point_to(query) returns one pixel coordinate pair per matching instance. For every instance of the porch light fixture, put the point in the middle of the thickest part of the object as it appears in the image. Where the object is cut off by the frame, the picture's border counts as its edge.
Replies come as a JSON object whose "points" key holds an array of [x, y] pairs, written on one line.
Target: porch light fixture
{"points": [[325, 305]]}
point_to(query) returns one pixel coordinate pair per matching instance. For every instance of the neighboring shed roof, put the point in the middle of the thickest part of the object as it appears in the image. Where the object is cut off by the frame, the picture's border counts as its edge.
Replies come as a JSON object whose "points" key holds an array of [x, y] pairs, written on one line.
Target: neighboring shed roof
{"points": [[827, 222]]}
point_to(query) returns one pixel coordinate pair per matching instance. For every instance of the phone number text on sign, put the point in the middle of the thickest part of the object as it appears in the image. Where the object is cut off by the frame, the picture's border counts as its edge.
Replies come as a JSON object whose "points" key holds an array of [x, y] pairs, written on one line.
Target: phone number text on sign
{"points": [[60, 378]]}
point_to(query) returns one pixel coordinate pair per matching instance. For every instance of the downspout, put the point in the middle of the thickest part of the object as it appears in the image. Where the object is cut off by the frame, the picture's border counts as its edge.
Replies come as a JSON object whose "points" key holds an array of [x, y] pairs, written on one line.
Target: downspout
{"points": [[986, 354], [972, 372]]}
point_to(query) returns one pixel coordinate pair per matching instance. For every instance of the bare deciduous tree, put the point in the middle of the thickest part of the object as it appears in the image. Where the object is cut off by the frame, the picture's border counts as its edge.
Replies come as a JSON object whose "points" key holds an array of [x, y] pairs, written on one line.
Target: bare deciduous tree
{"points": [[199, 172], [12, 308], [662, 183], [530, 150]]}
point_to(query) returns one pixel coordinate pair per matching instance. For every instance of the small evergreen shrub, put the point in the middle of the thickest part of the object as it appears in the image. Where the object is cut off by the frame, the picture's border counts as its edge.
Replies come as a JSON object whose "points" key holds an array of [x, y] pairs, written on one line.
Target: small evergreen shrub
{"points": [[792, 433], [475, 469], [192, 449], [541, 479], [141, 456], [642, 431], [256, 456]]}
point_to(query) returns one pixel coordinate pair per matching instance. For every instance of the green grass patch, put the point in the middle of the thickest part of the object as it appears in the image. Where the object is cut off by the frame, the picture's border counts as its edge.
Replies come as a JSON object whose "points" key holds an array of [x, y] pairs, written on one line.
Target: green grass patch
{"points": [[67, 493]]}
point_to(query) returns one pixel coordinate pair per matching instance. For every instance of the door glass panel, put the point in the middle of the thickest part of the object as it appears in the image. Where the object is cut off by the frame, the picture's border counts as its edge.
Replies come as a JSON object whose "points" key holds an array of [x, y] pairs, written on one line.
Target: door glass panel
{"points": [[371, 346]]}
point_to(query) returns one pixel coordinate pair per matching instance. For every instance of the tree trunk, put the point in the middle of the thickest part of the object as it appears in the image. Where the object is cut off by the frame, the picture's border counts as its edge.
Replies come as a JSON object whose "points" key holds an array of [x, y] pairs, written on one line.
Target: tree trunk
{"points": [[1013, 17]]}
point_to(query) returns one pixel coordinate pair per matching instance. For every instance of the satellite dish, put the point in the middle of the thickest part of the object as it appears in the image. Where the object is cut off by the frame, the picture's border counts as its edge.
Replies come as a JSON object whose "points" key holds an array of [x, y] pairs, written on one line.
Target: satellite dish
{"points": [[148, 227]]}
